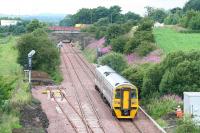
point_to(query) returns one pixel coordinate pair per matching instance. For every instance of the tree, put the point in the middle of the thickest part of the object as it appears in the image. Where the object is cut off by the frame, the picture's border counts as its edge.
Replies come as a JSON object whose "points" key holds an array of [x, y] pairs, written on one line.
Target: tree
{"points": [[132, 16], [156, 14], [114, 13], [98, 13], [115, 61], [67, 21], [192, 5], [194, 23], [178, 72], [46, 57], [113, 31], [35, 24], [118, 44], [83, 16]]}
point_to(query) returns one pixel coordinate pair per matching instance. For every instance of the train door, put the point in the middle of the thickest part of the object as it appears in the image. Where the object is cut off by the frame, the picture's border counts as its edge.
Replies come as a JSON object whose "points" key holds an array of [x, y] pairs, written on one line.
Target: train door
{"points": [[126, 99]]}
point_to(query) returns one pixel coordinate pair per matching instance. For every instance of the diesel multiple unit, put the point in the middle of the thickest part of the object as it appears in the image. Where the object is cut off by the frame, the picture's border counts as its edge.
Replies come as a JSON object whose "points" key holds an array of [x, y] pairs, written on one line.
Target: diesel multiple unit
{"points": [[121, 95]]}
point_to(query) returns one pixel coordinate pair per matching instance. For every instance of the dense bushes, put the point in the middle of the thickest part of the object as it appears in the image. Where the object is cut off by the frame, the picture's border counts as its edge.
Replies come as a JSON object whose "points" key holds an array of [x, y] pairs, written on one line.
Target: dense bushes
{"points": [[118, 44], [6, 87], [115, 61], [142, 40], [179, 72], [135, 75], [46, 57], [187, 125]]}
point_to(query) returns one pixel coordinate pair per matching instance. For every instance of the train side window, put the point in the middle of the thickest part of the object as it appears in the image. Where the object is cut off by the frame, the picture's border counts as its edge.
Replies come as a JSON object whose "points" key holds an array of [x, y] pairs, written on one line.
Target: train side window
{"points": [[133, 93], [118, 94]]}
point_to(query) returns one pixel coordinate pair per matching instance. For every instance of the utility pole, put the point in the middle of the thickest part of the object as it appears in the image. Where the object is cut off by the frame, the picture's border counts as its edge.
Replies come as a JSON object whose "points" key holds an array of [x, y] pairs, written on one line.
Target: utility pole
{"points": [[111, 18], [91, 18]]}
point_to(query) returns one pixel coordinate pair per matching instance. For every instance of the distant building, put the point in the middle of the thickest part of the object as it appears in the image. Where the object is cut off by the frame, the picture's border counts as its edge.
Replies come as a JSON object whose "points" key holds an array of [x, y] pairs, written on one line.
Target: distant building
{"points": [[80, 25], [157, 24], [8, 22]]}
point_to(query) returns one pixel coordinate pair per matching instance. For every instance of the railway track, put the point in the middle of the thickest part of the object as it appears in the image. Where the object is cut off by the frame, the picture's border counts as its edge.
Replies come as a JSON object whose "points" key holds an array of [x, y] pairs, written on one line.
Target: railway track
{"points": [[92, 118], [123, 124], [75, 120]]}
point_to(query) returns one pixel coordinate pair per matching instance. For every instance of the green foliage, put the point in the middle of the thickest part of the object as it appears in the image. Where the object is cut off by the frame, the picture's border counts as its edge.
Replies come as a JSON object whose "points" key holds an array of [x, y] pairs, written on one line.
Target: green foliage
{"points": [[194, 23], [151, 81], [131, 44], [17, 29], [192, 5], [99, 15], [186, 125], [142, 39], [118, 44], [113, 31], [6, 87], [145, 25], [13, 92], [8, 122], [115, 61], [156, 14], [159, 107], [144, 48], [35, 24], [67, 21], [170, 40], [179, 72], [172, 19], [135, 75], [182, 77], [46, 57]]}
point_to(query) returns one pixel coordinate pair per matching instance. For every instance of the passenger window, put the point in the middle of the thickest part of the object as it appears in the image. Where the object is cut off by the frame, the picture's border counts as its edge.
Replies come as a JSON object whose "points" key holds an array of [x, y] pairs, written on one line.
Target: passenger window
{"points": [[133, 93], [118, 94]]}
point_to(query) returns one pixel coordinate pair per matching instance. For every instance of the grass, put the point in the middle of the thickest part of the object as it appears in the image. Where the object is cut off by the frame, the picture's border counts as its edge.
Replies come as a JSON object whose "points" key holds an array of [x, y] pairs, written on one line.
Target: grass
{"points": [[90, 55], [8, 58], [170, 40], [20, 95]]}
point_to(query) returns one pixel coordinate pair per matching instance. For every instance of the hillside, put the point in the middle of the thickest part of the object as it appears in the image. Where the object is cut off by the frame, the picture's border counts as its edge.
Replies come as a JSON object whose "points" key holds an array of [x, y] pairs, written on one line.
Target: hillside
{"points": [[170, 40]]}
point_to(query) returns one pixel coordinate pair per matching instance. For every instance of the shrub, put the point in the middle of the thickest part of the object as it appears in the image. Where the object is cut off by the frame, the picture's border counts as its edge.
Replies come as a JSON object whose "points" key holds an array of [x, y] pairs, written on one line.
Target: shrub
{"points": [[177, 73], [194, 23], [6, 87], [144, 48], [135, 75], [131, 45], [186, 125], [46, 57], [151, 80], [113, 31], [159, 107], [143, 34], [118, 44], [115, 61], [183, 77]]}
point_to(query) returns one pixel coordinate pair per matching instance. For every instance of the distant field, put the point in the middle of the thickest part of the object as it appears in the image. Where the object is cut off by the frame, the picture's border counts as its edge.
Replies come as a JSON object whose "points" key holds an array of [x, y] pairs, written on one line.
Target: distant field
{"points": [[169, 40]]}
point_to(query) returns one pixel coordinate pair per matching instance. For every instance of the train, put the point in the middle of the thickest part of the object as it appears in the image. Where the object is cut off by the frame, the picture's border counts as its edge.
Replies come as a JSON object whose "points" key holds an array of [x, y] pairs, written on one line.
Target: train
{"points": [[118, 92]]}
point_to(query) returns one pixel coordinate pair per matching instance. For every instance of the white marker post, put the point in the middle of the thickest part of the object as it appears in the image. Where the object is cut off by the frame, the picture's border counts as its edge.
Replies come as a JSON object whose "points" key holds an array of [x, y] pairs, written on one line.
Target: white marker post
{"points": [[30, 55]]}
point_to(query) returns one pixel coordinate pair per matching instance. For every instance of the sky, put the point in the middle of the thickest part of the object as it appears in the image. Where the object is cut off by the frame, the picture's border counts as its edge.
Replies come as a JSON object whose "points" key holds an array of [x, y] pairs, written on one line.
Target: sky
{"points": [[32, 7]]}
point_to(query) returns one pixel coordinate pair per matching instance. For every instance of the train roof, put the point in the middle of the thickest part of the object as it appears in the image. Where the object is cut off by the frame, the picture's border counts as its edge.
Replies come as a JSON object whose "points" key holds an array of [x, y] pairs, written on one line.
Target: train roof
{"points": [[112, 77]]}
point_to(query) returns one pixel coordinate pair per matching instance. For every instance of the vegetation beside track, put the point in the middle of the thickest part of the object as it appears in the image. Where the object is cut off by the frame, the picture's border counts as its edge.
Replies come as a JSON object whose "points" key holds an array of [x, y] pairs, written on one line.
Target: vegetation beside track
{"points": [[14, 92]]}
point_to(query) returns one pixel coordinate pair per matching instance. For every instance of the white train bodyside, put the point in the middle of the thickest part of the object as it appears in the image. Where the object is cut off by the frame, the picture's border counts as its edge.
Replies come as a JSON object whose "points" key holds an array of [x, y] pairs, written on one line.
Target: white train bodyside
{"points": [[107, 80]]}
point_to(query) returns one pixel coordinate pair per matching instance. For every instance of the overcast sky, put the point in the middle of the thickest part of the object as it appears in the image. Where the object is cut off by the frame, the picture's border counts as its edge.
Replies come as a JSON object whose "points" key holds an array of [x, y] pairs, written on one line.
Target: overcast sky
{"points": [[28, 7]]}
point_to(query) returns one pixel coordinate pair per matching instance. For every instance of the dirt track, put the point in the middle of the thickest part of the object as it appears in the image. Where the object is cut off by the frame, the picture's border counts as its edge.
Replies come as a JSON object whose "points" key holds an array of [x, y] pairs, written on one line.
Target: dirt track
{"points": [[82, 109]]}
